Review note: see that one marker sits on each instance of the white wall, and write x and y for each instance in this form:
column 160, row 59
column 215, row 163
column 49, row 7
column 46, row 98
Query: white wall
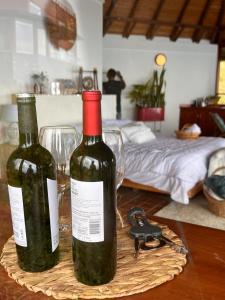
column 25, row 48
column 190, row 70
column 67, row 109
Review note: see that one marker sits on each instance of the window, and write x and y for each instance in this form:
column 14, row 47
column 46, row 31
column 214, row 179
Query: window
column 34, row 8
column 42, row 44
column 221, row 79
column 24, row 37
column 221, row 76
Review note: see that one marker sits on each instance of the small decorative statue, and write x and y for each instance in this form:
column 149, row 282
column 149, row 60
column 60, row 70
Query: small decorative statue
column 40, row 83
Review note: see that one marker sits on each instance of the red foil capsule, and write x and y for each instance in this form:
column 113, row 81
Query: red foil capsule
column 92, row 121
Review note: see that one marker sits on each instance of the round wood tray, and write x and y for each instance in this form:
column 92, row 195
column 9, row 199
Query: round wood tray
column 134, row 275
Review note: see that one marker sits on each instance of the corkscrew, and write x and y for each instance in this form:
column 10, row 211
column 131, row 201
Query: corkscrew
column 143, row 232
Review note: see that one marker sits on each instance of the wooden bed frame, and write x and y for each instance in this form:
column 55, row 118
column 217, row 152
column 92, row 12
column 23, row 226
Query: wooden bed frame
column 191, row 193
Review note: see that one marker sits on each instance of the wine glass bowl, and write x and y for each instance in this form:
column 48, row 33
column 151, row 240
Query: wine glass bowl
column 61, row 141
column 113, row 138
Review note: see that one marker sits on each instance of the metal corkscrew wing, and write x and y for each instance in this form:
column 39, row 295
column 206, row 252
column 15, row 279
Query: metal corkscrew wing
column 143, row 232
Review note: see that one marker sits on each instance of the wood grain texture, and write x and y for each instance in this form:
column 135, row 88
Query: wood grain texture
column 191, row 193
column 193, row 19
column 202, row 117
column 202, row 278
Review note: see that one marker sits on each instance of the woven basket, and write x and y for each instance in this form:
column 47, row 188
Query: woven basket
column 186, row 135
column 215, row 206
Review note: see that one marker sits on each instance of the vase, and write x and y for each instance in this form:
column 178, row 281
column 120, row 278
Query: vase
column 150, row 113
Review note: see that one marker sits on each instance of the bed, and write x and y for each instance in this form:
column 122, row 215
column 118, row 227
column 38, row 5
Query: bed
column 169, row 165
column 163, row 164
column 166, row 164
column 185, row 161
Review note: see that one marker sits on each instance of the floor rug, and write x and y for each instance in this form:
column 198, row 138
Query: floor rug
column 196, row 212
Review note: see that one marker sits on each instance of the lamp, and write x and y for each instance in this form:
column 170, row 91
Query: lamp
column 160, row 59
column 10, row 116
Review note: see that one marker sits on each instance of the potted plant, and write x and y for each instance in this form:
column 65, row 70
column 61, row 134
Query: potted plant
column 149, row 97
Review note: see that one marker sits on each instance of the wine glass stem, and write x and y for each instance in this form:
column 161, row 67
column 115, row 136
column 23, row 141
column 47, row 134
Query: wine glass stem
column 64, row 220
column 118, row 212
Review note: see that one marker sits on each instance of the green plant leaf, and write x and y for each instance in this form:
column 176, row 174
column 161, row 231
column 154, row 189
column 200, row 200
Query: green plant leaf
column 151, row 93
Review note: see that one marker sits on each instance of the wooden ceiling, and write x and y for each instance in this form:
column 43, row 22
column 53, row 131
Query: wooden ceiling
column 192, row 19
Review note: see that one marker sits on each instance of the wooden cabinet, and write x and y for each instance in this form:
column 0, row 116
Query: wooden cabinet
column 202, row 117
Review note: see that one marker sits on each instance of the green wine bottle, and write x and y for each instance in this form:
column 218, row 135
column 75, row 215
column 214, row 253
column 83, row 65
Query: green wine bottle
column 92, row 169
column 32, row 190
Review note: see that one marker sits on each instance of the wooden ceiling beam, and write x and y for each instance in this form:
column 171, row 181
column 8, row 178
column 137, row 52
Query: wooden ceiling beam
column 107, row 21
column 130, row 25
column 151, row 28
column 163, row 23
column 199, row 32
column 222, row 43
column 216, row 33
column 176, row 31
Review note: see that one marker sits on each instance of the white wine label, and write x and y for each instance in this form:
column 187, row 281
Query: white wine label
column 17, row 213
column 53, row 212
column 87, row 210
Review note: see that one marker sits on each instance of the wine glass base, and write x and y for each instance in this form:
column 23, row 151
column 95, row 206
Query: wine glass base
column 64, row 227
column 65, row 224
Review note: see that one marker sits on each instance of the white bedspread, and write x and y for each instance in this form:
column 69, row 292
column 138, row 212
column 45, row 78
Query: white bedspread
column 169, row 164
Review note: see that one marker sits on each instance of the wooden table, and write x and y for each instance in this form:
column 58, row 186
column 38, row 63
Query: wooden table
column 203, row 277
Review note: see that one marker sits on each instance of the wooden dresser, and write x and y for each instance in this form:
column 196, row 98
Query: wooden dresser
column 201, row 116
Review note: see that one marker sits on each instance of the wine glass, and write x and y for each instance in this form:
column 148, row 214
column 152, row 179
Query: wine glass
column 113, row 138
column 61, row 141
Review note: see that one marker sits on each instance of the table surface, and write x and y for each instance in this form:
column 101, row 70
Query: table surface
column 203, row 277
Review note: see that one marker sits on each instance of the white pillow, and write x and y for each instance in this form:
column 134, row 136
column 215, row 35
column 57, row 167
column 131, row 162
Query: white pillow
column 138, row 133
column 132, row 127
column 143, row 136
column 124, row 137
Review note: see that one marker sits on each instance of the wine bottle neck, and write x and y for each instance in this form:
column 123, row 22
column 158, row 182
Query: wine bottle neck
column 92, row 121
column 28, row 129
column 91, row 140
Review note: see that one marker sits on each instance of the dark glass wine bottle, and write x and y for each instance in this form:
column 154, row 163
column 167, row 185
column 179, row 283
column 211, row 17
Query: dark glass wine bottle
column 32, row 189
column 92, row 169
